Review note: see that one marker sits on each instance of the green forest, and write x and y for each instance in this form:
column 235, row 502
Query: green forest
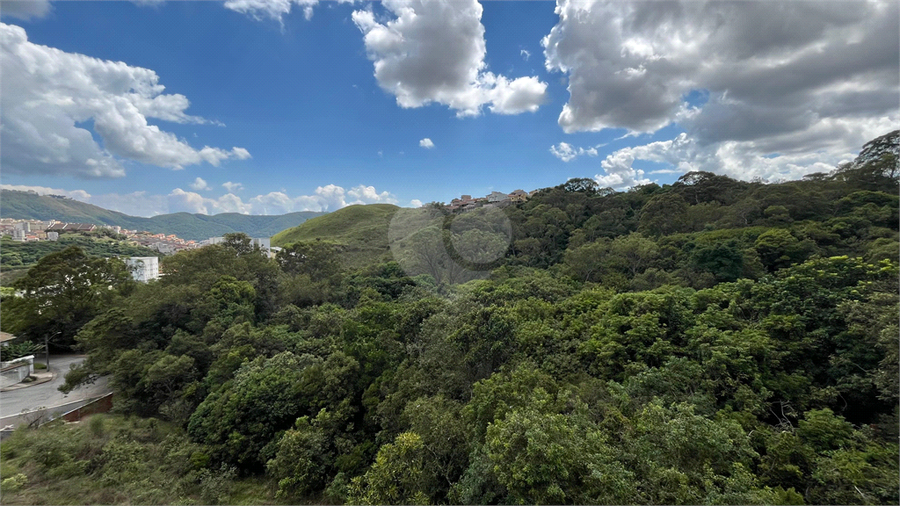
column 713, row 341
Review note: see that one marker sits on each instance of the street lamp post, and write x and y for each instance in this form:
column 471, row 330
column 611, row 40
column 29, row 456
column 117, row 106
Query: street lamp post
column 47, row 348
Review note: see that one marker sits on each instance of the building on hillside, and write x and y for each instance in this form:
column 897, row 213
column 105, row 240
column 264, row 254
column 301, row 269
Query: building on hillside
column 163, row 247
column 518, row 196
column 144, row 269
column 497, row 197
column 263, row 243
column 52, row 236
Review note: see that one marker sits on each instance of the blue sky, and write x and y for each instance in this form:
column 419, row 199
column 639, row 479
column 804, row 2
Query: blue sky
column 488, row 83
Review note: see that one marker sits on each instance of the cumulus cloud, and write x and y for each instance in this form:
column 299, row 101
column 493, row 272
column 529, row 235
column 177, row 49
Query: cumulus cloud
column 415, row 203
column 566, row 152
column 326, row 198
column 22, row 9
column 199, row 184
column 740, row 160
column 426, row 143
column 49, row 95
column 433, row 52
column 232, row 187
column 779, row 79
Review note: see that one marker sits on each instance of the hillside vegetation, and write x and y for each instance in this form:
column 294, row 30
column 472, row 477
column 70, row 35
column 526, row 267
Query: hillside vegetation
column 712, row 341
column 23, row 205
column 360, row 233
column 17, row 257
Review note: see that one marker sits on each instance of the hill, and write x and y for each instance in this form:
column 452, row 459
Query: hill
column 23, row 205
column 361, row 232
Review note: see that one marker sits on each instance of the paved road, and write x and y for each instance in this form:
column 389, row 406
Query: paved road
column 47, row 394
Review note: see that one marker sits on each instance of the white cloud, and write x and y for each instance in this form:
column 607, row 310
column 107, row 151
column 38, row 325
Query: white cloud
column 434, row 52
column 232, row 187
column 31, row 9
column 415, row 203
column 48, row 95
column 566, row 152
column 525, row 54
column 274, row 9
column 326, row 198
column 426, row 143
column 199, row 184
column 241, row 153
column 740, row 160
column 789, row 87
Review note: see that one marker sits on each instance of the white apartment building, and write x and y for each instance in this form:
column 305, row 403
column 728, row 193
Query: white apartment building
column 144, row 269
column 264, row 243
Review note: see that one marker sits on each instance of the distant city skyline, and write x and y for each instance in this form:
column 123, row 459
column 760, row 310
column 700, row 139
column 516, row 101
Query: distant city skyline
column 277, row 106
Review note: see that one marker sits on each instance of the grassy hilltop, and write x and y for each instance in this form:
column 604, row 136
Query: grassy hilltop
column 360, row 232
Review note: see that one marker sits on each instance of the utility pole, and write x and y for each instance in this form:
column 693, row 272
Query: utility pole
column 47, row 348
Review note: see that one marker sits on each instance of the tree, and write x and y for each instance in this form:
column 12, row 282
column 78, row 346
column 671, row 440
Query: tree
column 777, row 248
column 317, row 260
column 551, row 458
column 584, row 185
column 663, row 214
column 635, row 251
column 302, row 461
column 724, row 260
column 64, row 291
column 396, row 477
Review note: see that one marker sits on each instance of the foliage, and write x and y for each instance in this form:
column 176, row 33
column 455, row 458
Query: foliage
column 129, row 460
column 14, row 350
column 706, row 342
column 64, row 291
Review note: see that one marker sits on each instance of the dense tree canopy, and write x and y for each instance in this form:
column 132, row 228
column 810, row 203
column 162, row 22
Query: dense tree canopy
column 712, row 341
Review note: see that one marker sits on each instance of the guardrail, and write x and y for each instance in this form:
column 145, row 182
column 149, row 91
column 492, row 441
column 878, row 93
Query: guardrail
column 99, row 405
column 71, row 412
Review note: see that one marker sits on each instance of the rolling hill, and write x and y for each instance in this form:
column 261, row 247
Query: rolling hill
column 23, row 205
column 360, row 231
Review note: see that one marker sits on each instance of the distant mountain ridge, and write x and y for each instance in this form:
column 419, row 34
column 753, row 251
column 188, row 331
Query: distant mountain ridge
column 24, row 205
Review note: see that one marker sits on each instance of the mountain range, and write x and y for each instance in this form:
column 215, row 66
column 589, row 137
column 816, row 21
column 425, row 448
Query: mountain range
column 25, row 205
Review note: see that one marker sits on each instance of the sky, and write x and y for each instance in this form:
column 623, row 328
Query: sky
column 274, row 106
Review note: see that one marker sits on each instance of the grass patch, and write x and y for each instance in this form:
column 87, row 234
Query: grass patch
column 359, row 232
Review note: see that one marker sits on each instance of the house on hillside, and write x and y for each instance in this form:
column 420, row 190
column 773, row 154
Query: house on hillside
column 497, row 197
column 518, row 196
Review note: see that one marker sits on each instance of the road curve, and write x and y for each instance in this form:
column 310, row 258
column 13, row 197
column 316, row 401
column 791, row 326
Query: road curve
column 47, row 395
